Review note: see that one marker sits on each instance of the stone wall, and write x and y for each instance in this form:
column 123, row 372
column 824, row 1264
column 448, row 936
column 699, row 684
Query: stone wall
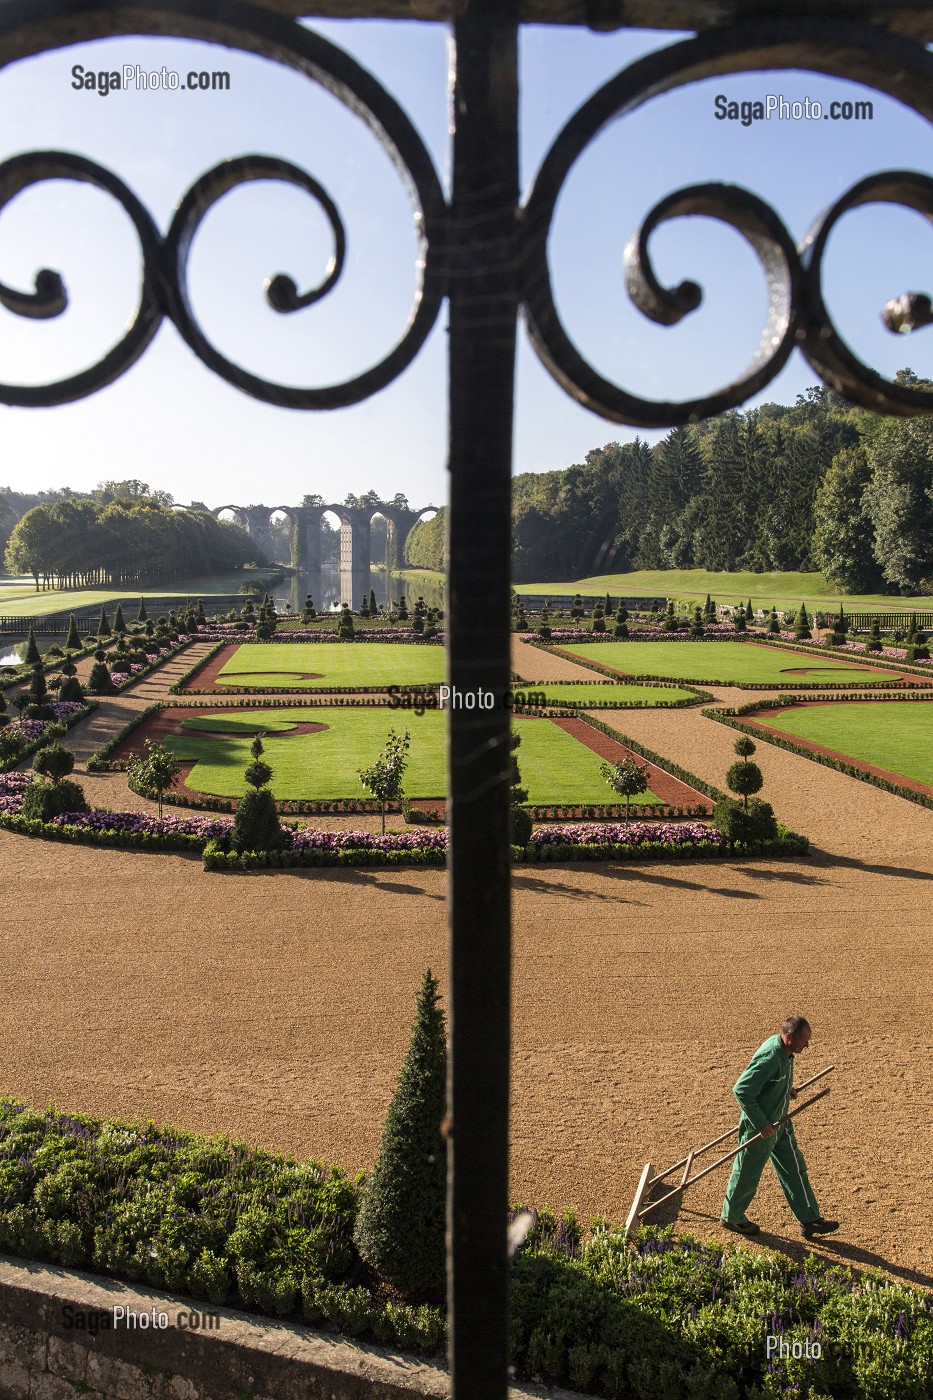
column 58, row 1341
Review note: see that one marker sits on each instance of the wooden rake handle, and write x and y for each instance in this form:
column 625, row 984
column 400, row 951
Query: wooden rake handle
column 735, row 1151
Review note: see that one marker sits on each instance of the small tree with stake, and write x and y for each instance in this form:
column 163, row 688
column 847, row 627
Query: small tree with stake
column 401, row 1223
column 384, row 778
column 627, row 778
column 155, row 773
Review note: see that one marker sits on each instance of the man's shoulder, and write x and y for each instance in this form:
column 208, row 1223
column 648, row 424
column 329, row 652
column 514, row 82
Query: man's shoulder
column 768, row 1049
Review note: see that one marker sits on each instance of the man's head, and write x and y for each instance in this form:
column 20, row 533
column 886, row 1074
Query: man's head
column 795, row 1034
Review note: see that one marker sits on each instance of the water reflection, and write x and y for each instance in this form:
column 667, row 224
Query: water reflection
column 331, row 588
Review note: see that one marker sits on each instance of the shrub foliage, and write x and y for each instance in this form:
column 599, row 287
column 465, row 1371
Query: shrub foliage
column 401, row 1224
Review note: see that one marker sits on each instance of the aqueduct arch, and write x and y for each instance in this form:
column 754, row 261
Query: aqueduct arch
column 355, row 531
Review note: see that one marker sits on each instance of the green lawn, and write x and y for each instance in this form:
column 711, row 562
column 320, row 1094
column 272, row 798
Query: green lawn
column 732, row 662
column 18, row 596
column 554, row 767
column 311, row 665
column 590, row 693
column 896, row 737
column 783, row 590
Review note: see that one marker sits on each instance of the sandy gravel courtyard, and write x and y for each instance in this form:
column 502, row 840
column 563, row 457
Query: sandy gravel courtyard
column 276, row 1007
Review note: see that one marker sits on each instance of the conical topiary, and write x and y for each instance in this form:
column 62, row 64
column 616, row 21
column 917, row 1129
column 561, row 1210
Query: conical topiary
column 73, row 640
column 400, row 1227
column 142, row 615
column 118, row 624
column 33, row 656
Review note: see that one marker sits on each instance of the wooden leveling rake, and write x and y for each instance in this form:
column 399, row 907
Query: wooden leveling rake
column 649, row 1179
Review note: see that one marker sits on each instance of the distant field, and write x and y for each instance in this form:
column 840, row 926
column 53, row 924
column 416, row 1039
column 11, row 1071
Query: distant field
column 898, row 738
column 555, row 768
column 782, row 590
column 722, row 661
column 311, row 665
column 586, row 693
column 18, row 597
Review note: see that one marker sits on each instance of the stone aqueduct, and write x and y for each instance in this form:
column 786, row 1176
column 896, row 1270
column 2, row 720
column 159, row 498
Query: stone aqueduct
column 355, row 531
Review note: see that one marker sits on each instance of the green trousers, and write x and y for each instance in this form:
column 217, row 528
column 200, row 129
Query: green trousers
column 787, row 1158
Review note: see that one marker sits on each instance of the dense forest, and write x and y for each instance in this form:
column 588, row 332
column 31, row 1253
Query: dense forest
column 111, row 538
column 817, row 485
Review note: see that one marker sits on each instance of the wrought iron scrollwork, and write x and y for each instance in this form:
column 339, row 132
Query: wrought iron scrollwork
column 50, row 297
column 797, row 313
column 164, row 290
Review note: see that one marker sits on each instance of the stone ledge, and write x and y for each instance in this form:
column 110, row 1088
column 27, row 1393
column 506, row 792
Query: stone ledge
column 244, row 1357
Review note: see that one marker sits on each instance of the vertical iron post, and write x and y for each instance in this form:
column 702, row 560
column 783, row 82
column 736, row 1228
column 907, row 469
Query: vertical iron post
column 483, row 309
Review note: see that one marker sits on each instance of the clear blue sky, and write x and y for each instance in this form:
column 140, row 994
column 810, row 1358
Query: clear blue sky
column 174, row 424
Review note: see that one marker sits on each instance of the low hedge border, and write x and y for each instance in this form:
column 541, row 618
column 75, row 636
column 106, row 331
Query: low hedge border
column 100, row 762
column 352, row 690
column 731, row 717
column 35, row 745
column 289, row 807
column 233, row 862
column 787, row 843
column 606, row 811
column 88, row 836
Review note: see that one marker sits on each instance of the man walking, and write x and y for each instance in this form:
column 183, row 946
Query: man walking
column 764, row 1093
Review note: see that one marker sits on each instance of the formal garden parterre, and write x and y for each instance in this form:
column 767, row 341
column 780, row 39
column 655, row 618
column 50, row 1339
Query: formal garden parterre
column 584, row 1302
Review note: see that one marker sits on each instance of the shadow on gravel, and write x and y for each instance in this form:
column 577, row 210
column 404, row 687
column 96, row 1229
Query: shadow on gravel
column 536, row 885
column 793, row 877
column 648, row 877
column 853, row 863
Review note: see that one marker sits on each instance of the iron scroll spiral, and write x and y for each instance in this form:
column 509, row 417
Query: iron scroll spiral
column 43, row 25
column 50, row 297
column 797, row 313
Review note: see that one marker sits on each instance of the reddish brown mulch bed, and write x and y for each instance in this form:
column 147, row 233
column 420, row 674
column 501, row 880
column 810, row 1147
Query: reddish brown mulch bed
column 923, row 788
column 207, row 676
column 665, row 787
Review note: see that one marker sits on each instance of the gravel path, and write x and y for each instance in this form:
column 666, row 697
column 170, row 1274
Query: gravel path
column 277, row 1006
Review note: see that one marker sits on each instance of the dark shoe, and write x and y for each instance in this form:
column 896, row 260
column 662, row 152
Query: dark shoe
column 809, row 1228
column 741, row 1227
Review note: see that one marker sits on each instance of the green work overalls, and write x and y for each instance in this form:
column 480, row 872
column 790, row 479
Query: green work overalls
column 763, row 1092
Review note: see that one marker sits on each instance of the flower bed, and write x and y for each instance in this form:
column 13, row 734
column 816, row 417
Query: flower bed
column 33, row 732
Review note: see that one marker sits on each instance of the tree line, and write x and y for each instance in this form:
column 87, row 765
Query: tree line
column 80, row 541
column 817, row 485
